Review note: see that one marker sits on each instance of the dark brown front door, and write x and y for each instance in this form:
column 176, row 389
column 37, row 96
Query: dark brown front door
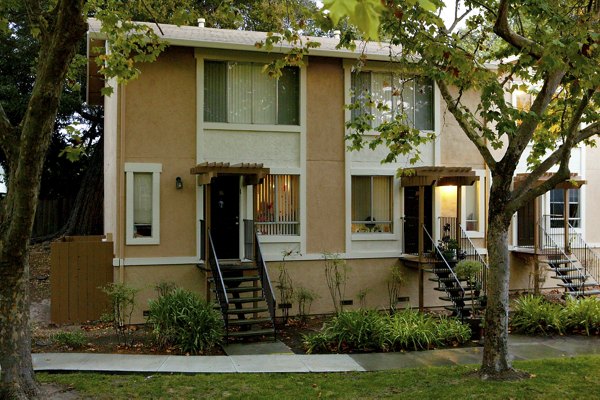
column 526, row 224
column 411, row 217
column 225, row 216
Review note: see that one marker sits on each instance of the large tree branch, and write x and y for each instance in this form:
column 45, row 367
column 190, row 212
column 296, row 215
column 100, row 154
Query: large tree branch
column 560, row 155
column 588, row 132
column 8, row 136
column 466, row 126
column 524, row 133
column 502, row 29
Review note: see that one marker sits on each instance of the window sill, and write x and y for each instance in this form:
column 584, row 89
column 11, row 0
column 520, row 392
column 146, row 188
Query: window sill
column 374, row 236
column 142, row 241
column 475, row 234
column 224, row 126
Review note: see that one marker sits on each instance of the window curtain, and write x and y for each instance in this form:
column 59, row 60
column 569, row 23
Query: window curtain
column 215, row 91
column 472, row 207
column 361, row 198
column 142, row 198
column 381, row 85
column 382, row 198
column 278, row 205
column 423, row 105
column 239, row 90
column 264, row 103
column 288, row 97
column 361, row 86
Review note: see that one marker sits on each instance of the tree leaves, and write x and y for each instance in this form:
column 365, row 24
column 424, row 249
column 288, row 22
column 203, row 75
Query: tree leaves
column 364, row 14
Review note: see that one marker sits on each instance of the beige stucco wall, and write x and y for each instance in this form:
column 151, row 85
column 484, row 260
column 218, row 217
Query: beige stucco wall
column 160, row 127
column 146, row 278
column 592, row 194
column 325, row 190
column 456, row 149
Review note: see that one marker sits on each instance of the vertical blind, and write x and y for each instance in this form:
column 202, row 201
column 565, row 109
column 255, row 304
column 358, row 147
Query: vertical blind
column 277, row 205
column 242, row 93
column 472, row 207
column 412, row 96
column 142, row 204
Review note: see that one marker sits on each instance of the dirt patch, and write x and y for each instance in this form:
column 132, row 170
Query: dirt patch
column 58, row 392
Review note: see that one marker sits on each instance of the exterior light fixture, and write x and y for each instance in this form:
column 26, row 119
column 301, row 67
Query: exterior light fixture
column 178, row 183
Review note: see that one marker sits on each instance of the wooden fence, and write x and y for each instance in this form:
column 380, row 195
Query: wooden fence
column 79, row 265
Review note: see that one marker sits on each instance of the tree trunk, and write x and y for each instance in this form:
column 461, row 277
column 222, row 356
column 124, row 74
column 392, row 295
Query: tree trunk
column 17, row 379
column 59, row 39
column 496, row 362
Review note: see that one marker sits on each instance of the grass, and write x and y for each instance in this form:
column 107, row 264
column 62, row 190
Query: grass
column 565, row 378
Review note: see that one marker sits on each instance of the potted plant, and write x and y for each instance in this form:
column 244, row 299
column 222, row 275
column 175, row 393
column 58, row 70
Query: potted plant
column 468, row 270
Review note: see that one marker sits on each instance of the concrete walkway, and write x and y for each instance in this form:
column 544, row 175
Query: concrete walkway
column 521, row 348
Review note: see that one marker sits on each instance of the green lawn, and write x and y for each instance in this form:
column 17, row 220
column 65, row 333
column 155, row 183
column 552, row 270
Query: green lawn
column 568, row 378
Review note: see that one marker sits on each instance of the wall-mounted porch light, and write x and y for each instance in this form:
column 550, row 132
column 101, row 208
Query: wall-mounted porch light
column 178, row 183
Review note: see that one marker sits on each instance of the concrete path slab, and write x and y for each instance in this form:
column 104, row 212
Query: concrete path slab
column 386, row 361
column 330, row 363
column 533, row 352
column 99, row 362
column 60, row 361
column 269, row 363
column 242, row 349
column 203, row 364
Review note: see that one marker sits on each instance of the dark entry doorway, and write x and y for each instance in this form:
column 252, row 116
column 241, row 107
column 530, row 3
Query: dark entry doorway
column 225, row 216
column 411, row 217
column 526, row 224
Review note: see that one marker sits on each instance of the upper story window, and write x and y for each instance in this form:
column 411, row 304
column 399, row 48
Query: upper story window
column 277, row 204
column 410, row 95
column 241, row 93
column 372, row 204
column 557, row 208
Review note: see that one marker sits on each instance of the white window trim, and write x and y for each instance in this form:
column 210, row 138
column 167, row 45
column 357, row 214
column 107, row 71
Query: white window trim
column 130, row 170
column 560, row 230
column 482, row 188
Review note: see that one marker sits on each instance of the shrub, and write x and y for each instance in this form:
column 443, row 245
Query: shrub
column 122, row 300
column 182, row 320
column 304, row 297
column 364, row 330
column 74, row 340
column 534, row 315
column 582, row 314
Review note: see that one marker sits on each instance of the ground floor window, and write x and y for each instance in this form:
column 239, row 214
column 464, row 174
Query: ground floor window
column 557, row 208
column 372, row 204
column 142, row 203
column 277, row 205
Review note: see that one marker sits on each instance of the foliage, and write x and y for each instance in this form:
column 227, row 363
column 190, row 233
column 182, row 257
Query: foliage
column 534, row 315
column 394, row 282
column 368, row 330
column 362, row 297
column 75, row 340
column 582, row 314
column 285, row 285
column 336, row 274
column 304, row 297
column 122, row 300
column 468, row 269
column 164, row 288
column 183, row 320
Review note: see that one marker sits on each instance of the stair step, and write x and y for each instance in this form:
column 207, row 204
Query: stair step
column 565, row 269
column 244, row 289
column 465, row 308
column 242, row 300
column 252, row 278
column 558, row 262
column 438, row 270
column 261, row 332
column 577, row 285
column 247, row 310
column 449, row 289
column 243, row 267
column 252, row 321
column 465, row 299
column 584, row 292
column 448, row 279
column 572, row 277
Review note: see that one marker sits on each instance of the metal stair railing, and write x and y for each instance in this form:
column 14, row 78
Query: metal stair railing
column 220, row 290
column 456, row 281
column 588, row 259
column 466, row 248
column 267, row 288
column 557, row 255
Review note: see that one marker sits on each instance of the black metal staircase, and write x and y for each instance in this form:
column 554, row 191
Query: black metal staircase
column 575, row 264
column 244, row 295
column 466, row 297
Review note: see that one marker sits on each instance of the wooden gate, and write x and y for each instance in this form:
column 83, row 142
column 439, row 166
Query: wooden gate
column 79, row 265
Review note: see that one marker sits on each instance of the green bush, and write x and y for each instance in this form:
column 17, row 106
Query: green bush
column 534, row 315
column 182, row 320
column 582, row 314
column 75, row 340
column 365, row 330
